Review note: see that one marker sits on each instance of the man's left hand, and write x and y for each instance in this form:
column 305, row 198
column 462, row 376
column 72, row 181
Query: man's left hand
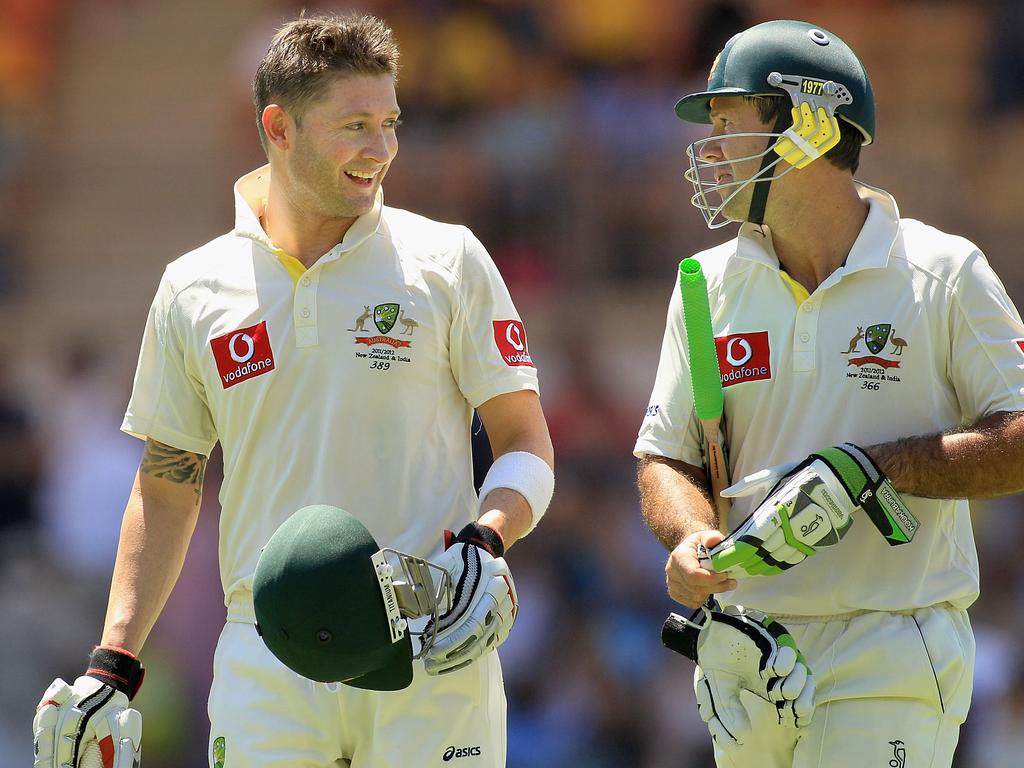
column 484, row 603
column 810, row 506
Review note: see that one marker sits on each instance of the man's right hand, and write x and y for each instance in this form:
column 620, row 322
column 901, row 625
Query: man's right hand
column 738, row 649
column 70, row 717
column 688, row 581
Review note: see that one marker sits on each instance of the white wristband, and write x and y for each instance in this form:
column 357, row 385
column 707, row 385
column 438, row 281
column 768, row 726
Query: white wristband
column 528, row 475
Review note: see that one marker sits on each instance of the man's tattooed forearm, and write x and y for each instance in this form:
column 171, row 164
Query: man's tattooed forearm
column 172, row 464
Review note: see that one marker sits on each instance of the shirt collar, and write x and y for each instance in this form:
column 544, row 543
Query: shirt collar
column 871, row 249
column 251, row 201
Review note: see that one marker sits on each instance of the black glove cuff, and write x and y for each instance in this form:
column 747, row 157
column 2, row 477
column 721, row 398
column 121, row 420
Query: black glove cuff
column 117, row 668
column 681, row 635
column 484, row 537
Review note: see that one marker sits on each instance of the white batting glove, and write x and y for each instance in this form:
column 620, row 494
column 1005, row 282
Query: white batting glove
column 810, row 506
column 484, row 602
column 742, row 649
column 71, row 717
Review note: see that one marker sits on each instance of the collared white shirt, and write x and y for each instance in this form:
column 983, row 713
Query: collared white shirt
column 351, row 383
column 913, row 335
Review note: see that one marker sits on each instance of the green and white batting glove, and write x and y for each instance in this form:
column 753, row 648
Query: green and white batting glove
column 737, row 649
column 484, row 602
column 93, row 715
column 810, row 506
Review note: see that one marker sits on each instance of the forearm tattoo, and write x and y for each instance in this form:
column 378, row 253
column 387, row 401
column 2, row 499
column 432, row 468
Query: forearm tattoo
column 178, row 466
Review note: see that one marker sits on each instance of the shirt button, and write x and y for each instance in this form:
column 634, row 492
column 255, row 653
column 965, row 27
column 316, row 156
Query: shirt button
column 305, row 281
column 305, row 313
column 808, row 307
column 805, row 337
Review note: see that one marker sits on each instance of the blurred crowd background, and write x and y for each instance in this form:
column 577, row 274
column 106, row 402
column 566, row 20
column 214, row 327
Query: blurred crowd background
column 547, row 127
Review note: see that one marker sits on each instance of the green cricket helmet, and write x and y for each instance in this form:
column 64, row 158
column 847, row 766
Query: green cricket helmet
column 815, row 70
column 333, row 606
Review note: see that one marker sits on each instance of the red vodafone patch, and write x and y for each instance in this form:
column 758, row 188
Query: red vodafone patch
column 243, row 354
column 510, row 336
column 743, row 357
column 1020, row 343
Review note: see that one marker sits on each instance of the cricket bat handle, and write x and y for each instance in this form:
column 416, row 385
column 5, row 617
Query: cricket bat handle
column 717, row 469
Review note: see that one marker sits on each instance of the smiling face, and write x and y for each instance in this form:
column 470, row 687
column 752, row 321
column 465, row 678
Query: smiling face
column 735, row 158
column 344, row 143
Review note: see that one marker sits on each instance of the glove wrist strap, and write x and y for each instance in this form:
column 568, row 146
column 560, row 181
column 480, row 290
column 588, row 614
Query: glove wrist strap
column 117, row 668
column 482, row 536
column 680, row 634
column 870, row 489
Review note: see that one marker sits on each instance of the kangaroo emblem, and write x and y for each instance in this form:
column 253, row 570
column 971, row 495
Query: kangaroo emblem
column 853, row 342
column 361, row 320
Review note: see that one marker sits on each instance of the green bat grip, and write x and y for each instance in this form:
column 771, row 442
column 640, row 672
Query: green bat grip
column 700, row 341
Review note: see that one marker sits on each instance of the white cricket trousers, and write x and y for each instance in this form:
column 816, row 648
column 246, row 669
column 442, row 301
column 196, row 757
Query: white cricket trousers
column 892, row 690
column 263, row 715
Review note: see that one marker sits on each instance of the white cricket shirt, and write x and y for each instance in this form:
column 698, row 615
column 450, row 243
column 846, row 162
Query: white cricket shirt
column 351, row 383
column 913, row 335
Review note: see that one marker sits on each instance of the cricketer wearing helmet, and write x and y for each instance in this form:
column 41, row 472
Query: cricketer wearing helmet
column 336, row 349
column 873, row 376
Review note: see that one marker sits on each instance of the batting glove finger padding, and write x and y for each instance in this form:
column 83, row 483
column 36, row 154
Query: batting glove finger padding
column 810, row 506
column 70, row 718
column 483, row 609
column 741, row 649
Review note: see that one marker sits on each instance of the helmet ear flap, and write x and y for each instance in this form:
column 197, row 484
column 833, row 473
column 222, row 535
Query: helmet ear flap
column 813, row 133
column 815, row 129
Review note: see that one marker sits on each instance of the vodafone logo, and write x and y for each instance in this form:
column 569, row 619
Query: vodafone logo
column 247, row 343
column 738, row 351
column 242, row 354
column 1020, row 343
column 510, row 338
column 514, row 335
column 744, row 357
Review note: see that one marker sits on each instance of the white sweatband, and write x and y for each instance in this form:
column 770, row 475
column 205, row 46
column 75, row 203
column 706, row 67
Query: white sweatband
column 526, row 474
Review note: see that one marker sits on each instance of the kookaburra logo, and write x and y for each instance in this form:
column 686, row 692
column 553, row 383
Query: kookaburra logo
column 899, row 754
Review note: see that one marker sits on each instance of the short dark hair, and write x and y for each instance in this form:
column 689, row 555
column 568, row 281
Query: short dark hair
column 844, row 155
column 307, row 52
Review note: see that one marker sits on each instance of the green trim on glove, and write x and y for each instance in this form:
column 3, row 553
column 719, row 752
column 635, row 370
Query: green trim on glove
column 848, row 469
column 872, row 492
column 787, row 533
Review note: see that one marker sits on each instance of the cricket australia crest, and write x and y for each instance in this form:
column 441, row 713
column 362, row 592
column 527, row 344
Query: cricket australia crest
column 876, row 337
column 384, row 316
column 381, row 347
column 874, row 369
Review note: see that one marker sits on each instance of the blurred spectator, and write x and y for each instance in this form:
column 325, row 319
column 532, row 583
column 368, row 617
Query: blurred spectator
column 19, row 458
column 89, row 464
column 999, row 741
column 1005, row 80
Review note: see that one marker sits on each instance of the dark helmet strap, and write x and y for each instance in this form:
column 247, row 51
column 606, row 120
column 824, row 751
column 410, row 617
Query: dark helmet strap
column 759, row 200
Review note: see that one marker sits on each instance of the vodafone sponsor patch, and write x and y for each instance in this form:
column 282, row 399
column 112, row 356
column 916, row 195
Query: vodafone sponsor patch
column 510, row 336
column 743, row 357
column 243, row 354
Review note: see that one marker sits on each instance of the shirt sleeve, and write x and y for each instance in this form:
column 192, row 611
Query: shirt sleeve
column 490, row 355
column 670, row 427
column 168, row 404
column 987, row 343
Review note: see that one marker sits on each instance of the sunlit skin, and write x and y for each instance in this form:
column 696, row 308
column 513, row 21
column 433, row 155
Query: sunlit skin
column 732, row 115
column 315, row 153
column 799, row 199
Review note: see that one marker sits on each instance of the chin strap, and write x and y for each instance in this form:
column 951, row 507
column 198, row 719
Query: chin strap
column 759, row 200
